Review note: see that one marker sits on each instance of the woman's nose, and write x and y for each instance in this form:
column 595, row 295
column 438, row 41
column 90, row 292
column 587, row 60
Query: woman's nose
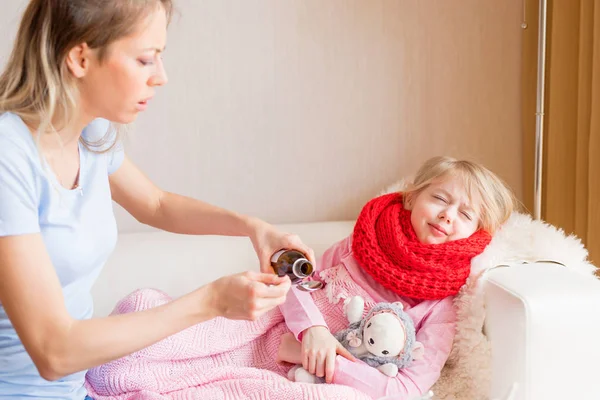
column 160, row 77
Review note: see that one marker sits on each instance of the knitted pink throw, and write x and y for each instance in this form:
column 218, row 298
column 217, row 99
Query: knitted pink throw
column 218, row 359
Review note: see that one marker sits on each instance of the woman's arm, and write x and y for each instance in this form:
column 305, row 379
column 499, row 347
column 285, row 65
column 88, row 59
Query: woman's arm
column 60, row 345
column 180, row 214
column 171, row 212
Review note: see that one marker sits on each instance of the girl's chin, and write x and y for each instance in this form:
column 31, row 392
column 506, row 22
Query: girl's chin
column 432, row 240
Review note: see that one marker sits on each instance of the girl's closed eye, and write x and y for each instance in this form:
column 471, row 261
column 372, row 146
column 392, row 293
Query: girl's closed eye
column 467, row 215
column 440, row 198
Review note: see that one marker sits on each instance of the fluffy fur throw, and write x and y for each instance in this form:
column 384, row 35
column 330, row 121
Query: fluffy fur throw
column 467, row 373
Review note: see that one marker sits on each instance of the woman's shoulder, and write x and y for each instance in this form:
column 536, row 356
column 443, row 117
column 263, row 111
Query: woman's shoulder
column 16, row 140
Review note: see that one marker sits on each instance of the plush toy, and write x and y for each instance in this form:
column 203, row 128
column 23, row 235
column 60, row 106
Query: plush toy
column 384, row 338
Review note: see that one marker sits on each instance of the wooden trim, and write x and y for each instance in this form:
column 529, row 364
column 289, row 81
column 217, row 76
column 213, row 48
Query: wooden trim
column 562, row 111
column 528, row 99
column 593, row 232
column 584, row 117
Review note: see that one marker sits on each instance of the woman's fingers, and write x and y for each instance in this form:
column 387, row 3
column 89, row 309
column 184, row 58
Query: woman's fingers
column 270, row 285
column 296, row 243
column 248, row 295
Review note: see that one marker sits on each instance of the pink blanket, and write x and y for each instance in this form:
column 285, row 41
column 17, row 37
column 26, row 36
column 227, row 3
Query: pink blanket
column 218, row 359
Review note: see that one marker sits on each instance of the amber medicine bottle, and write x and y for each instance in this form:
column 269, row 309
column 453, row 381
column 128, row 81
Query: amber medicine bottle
column 293, row 264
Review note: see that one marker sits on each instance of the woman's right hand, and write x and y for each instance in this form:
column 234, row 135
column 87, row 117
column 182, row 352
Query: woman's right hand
column 319, row 349
column 248, row 295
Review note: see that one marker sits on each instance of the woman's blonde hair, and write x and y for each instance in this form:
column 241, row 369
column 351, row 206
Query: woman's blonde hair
column 36, row 84
column 497, row 200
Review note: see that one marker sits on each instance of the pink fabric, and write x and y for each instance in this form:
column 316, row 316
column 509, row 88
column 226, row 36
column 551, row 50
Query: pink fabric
column 223, row 359
column 218, row 359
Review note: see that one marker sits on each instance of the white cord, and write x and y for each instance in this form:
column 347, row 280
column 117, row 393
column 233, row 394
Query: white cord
column 426, row 396
column 512, row 392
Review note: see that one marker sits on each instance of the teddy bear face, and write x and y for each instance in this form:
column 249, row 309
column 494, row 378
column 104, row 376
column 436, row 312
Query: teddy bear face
column 384, row 335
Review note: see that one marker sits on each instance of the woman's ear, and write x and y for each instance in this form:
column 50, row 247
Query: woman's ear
column 78, row 60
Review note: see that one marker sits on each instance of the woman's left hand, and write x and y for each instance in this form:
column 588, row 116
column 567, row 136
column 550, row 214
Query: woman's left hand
column 267, row 240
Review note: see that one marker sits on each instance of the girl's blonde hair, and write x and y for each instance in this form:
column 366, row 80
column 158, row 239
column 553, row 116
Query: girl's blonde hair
column 36, row 84
column 497, row 200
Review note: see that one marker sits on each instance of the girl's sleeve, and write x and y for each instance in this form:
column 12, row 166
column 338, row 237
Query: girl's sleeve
column 299, row 310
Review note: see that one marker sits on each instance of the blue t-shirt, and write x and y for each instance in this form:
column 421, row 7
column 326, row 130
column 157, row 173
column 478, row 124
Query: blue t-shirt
column 79, row 231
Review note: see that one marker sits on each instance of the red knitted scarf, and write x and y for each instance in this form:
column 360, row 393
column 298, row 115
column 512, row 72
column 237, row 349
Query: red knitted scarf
column 385, row 244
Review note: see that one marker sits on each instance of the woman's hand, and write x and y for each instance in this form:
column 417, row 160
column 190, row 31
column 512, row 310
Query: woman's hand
column 247, row 295
column 319, row 349
column 267, row 240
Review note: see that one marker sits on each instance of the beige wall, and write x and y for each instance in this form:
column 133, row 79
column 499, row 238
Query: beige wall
column 301, row 110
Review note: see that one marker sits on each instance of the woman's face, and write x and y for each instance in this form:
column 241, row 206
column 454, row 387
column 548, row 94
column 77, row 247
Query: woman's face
column 120, row 86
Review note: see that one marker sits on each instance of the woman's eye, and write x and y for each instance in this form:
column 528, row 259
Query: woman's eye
column 146, row 62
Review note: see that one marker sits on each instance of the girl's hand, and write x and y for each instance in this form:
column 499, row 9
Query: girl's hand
column 267, row 240
column 319, row 349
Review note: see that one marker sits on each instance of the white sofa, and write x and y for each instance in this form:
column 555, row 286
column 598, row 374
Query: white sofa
column 544, row 327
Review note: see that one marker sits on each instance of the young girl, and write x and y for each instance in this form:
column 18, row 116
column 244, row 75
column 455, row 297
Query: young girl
column 414, row 247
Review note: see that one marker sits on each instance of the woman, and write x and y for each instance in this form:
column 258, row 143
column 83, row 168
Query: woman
column 61, row 166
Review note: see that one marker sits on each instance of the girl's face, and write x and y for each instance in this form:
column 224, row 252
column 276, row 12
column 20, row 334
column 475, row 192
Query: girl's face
column 121, row 86
column 443, row 212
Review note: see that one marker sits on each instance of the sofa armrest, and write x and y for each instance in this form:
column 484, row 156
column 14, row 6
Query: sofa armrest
column 543, row 321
